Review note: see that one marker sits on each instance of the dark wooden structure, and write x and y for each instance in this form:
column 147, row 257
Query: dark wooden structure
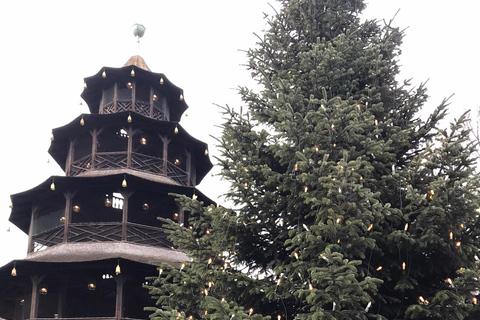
column 94, row 234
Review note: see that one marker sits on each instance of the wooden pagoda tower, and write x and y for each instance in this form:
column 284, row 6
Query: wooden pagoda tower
column 93, row 234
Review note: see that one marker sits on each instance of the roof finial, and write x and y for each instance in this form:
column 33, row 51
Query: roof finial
column 138, row 31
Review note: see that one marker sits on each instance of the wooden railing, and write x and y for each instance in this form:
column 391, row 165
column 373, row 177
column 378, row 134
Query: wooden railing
column 140, row 107
column 139, row 161
column 102, row 232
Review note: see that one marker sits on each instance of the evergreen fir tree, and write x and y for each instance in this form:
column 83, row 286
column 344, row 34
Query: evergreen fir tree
column 347, row 205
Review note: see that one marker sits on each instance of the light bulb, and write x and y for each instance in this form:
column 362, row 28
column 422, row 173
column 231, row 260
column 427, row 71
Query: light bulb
column 52, row 186
column 175, row 130
column 82, row 122
column 104, row 74
column 124, row 183
column 117, row 269
column 132, row 73
column 161, row 80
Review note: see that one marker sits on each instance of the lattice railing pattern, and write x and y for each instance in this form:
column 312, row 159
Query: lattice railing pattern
column 142, row 108
column 118, row 160
column 124, row 106
column 111, row 160
column 80, row 165
column 158, row 113
column 147, row 235
column 47, row 238
column 147, row 163
column 177, row 174
column 95, row 232
column 109, row 107
column 102, row 232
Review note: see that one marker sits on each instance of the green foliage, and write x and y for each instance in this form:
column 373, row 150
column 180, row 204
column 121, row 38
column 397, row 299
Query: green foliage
column 347, row 205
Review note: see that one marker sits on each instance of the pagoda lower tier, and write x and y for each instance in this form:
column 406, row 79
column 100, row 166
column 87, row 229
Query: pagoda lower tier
column 76, row 285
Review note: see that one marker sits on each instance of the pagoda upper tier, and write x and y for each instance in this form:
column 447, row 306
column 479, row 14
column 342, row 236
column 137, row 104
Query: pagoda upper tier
column 133, row 129
column 134, row 88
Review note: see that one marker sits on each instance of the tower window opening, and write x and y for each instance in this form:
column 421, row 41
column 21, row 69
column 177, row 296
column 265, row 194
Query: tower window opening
column 123, row 133
column 117, row 201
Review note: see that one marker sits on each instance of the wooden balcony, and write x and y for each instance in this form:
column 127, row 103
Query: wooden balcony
column 138, row 161
column 102, row 232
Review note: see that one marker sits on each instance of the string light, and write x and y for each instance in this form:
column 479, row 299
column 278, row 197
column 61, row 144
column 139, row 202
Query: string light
column 449, row 281
column 474, row 300
column 339, row 220
column 310, row 287
column 295, row 167
column 161, row 80
column 406, row 227
column 160, row 271
column 245, row 185
column 404, row 265
column 14, row 270
column 295, row 254
column 451, row 235
column 334, row 305
column 279, row 281
column 117, row 268
column 181, row 97
column 132, row 73
column 379, row 268
column 305, row 227
column 124, row 182
column 182, row 267
column 305, row 189
column 104, row 74
column 458, row 244
column 52, row 186
column 175, row 130
column 82, row 122
column 370, row 227
column 368, row 306
column 129, row 118
column 250, row 311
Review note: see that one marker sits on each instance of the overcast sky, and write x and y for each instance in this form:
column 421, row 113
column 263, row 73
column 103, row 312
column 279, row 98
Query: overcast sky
column 48, row 47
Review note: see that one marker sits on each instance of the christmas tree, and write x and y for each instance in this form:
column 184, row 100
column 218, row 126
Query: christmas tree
column 346, row 203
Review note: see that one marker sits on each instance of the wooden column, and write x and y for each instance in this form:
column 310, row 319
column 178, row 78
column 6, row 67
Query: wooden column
column 188, row 167
column 30, row 230
column 166, row 141
column 62, row 297
column 115, row 97
column 94, row 134
column 68, row 214
column 126, row 195
column 134, row 88
column 119, row 297
column 129, row 147
column 151, row 102
column 68, row 163
column 34, row 302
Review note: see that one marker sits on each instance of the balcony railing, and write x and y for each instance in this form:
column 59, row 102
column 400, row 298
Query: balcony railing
column 101, row 232
column 139, row 161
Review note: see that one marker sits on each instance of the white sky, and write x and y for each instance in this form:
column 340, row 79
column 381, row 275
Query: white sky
column 48, row 47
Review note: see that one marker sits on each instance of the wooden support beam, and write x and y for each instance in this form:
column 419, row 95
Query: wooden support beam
column 119, row 297
column 34, row 302
column 68, row 214
column 166, row 141
column 62, row 297
column 129, row 147
column 69, row 159
column 30, row 230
